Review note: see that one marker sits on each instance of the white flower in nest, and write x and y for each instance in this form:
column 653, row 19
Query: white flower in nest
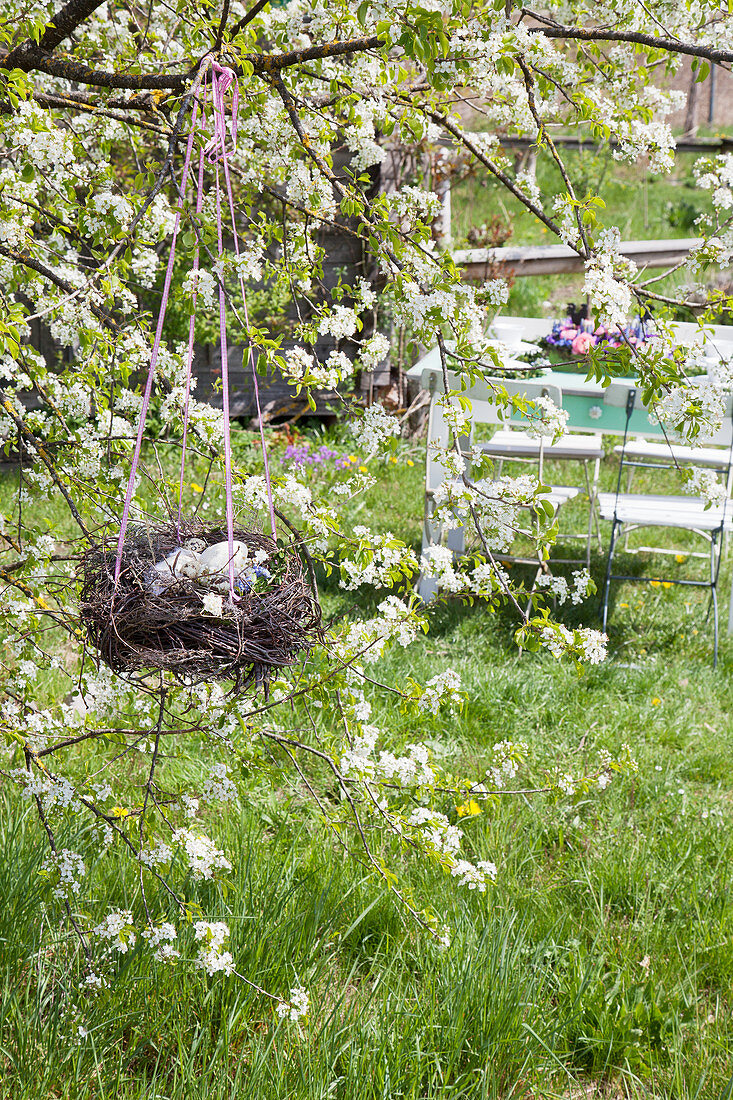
column 214, row 605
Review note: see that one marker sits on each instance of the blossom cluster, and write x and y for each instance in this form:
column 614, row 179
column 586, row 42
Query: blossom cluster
column 161, row 938
column 705, row 482
column 587, row 644
column 218, row 787
column 69, row 868
column 118, row 930
column 716, row 176
column 381, row 558
column 559, row 588
column 610, row 295
column 693, row 411
column 374, row 427
column 550, row 421
column 443, row 688
column 301, row 367
column 205, row 860
column 213, row 956
column 296, row 1007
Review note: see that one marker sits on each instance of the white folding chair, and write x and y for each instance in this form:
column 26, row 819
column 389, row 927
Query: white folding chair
column 586, row 449
column 628, row 512
column 484, row 412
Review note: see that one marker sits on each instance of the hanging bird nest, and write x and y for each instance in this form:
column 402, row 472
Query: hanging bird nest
column 171, row 608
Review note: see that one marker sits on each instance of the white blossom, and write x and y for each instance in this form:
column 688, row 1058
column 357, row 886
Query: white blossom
column 445, row 687
column 213, row 605
column 160, row 938
column 119, row 930
column 296, row 1007
column 70, row 868
column 213, row 938
column 374, row 427
column 204, row 858
column 218, row 787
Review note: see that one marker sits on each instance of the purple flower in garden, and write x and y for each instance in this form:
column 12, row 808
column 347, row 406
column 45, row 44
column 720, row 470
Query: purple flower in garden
column 300, row 454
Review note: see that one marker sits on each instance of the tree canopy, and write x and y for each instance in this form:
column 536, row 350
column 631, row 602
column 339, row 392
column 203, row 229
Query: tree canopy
column 97, row 108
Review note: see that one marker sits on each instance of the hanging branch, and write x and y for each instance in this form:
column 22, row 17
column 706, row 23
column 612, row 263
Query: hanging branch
column 60, row 26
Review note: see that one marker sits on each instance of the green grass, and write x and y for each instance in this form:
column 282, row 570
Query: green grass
column 643, row 205
column 603, row 956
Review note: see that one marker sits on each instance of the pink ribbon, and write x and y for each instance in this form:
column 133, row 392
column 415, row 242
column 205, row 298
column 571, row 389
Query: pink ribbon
column 222, row 79
column 156, row 348
column 191, row 325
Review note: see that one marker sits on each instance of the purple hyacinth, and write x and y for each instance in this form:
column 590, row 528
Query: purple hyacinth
column 300, row 454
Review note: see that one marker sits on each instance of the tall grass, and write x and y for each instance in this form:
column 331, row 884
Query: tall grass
column 602, row 958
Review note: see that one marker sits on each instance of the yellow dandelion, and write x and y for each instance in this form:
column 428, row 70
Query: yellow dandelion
column 655, row 584
column 410, row 462
column 468, row 809
column 680, row 558
column 666, row 584
column 656, row 701
column 196, row 487
column 624, row 605
column 120, row 811
column 363, row 470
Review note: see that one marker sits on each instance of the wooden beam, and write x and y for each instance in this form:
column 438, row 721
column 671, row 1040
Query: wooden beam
column 567, row 141
column 556, row 259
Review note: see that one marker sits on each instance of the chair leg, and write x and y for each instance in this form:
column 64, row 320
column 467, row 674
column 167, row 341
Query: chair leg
column 589, row 534
column 629, row 480
column 714, row 596
column 607, row 581
column 427, row 588
column 455, row 540
column 592, row 490
column 596, row 475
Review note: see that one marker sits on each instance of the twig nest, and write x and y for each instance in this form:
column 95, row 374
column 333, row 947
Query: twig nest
column 172, row 607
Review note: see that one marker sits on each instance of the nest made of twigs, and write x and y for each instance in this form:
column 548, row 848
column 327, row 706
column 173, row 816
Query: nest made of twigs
column 136, row 627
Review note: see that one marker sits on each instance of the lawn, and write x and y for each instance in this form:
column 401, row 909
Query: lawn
column 601, row 959
column 643, row 205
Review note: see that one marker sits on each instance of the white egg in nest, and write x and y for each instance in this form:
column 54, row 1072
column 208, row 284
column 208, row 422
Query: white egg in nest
column 213, row 562
column 181, row 563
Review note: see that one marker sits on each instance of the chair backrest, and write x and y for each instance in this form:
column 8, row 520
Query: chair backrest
column 531, row 389
column 485, row 411
column 630, row 395
column 718, row 339
column 639, row 422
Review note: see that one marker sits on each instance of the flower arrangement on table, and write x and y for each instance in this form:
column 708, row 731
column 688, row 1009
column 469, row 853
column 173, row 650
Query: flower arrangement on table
column 578, row 337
